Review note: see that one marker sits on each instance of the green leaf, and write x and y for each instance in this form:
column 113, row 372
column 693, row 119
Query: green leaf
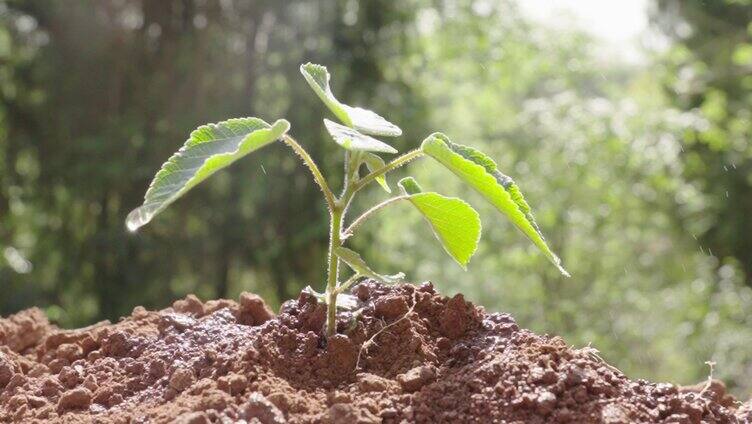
column 454, row 223
column 354, row 261
column 409, row 186
column 344, row 301
column 210, row 148
column 481, row 173
column 363, row 120
column 351, row 139
column 374, row 162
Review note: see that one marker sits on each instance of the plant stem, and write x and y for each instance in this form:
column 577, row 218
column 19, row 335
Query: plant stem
column 337, row 210
column 317, row 175
column 394, row 164
column 367, row 214
column 333, row 271
column 346, row 285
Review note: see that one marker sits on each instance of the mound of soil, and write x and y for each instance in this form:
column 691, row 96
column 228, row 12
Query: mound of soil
column 409, row 355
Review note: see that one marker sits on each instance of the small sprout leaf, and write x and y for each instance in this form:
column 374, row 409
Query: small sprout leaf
column 356, row 262
column 409, row 186
column 363, row 120
column 374, row 162
column 353, row 140
column 347, row 302
column 454, row 223
column 208, row 149
column 481, row 173
column 369, row 122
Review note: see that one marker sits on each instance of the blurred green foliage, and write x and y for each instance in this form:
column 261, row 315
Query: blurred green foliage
column 600, row 154
column 98, row 94
column 709, row 70
column 640, row 175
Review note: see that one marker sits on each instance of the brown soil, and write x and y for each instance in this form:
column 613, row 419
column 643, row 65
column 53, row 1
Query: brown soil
column 410, row 356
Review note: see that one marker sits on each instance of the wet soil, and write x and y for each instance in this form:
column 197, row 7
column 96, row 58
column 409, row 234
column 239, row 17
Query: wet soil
column 409, row 355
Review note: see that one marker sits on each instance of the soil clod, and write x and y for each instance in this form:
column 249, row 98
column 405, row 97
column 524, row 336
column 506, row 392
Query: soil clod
column 416, row 378
column 390, row 307
column 259, row 408
column 79, row 398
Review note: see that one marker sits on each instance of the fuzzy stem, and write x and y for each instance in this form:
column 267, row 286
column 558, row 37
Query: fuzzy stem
column 367, row 214
column 391, row 166
column 338, row 209
column 333, row 271
column 317, row 175
column 346, row 285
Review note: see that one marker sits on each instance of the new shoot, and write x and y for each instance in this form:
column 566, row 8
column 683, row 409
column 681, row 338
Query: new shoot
column 453, row 221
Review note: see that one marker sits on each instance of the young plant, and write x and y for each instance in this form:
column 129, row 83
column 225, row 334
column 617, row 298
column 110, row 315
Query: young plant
column 455, row 223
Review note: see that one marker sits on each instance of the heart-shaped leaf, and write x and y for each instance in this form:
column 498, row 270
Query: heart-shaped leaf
column 210, row 148
column 353, row 140
column 454, row 223
column 363, row 120
column 356, row 262
column 481, row 173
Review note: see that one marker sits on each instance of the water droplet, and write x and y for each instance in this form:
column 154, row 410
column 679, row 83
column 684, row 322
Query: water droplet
column 138, row 218
column 17, row 261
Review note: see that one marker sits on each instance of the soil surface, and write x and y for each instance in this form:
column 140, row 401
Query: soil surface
column 410, row 355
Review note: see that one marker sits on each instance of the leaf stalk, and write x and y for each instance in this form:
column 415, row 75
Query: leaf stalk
column 317, row 175
column 391, row 166
column 367, row 214
column 350, row 281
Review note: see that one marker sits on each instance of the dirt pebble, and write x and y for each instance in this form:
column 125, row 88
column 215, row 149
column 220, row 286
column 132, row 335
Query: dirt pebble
column 253, row 309
column 79, row 398
column 390, row 307
column 259, row 408
column 24, row 329
column 416, row 378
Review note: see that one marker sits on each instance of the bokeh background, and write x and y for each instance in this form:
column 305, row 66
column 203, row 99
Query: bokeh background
column 626, row 124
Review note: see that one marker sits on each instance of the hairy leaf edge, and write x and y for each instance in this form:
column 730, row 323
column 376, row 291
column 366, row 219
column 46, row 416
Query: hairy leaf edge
column 478, row 160
column 141, row 216
column 318, row 78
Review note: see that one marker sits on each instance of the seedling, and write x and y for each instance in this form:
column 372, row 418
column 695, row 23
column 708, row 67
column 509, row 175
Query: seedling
column 455, row 223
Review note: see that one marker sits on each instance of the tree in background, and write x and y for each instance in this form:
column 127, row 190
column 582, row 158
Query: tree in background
column 97, row 94
column 599, row 154
column 709, row 69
